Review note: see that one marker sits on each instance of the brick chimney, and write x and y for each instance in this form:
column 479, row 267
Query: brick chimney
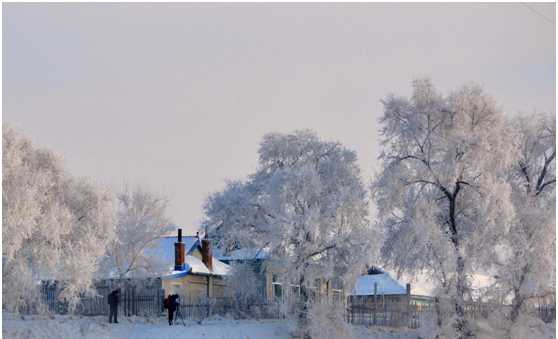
column 207, row 256
column 179, row 253
column 408, row 289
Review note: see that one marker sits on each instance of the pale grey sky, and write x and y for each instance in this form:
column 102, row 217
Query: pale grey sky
column 177, row 96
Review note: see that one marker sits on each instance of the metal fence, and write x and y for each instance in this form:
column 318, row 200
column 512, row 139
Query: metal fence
column 398, row 313
column 389, row 313
column 230, row 308
column 150, row 304
column 393, row 312
column 132, row 302
column 546, row 312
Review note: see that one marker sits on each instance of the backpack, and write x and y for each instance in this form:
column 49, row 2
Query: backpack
column 166, row 303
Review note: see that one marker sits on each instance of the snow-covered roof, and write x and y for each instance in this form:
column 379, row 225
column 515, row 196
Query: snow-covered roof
column 246, row 254
column 177, row 274
column 163, row 251
column 194, row 265
column 197, row 266
column 386, row 285
column 163, row 248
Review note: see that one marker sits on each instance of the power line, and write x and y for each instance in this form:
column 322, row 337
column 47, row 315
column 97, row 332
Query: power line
column 538, row 13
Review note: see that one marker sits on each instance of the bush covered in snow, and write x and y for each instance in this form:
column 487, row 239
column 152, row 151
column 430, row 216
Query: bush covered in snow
column 327, row 321
column 245, row 289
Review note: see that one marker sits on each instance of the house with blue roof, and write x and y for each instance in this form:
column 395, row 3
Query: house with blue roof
column 193, row 272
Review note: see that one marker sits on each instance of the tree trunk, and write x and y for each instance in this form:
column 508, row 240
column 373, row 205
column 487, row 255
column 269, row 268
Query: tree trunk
column 517, row 303
column 438, row 309
column 518, row 298
column 303, row 310
column 461, row 322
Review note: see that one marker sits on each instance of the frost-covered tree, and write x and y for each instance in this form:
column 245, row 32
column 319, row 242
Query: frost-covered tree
column 54, row 226
column 526, row 266
column 307, row 203
column 231, row 210
column 141, row 220
column 442, row 194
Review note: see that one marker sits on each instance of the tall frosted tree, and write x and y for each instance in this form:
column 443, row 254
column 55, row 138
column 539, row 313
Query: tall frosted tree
column 54, row 226
column 233, row 217
column 141, row 221
column 527, row 268
column 442, row 194
column 306, row 203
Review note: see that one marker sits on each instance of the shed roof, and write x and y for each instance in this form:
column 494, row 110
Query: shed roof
column 386, row 285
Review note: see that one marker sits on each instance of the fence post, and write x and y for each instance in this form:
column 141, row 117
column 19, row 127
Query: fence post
column 127, row 301
column 351, row 310
column 375, row 301
column 407, row 305
column 157, row 301
column 134, row 302
column 385, row 308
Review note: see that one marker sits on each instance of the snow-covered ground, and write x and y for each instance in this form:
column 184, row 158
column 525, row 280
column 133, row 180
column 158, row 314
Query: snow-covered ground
column 65, row 327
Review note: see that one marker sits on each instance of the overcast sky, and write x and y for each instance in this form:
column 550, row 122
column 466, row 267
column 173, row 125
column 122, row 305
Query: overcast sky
column 176, row 97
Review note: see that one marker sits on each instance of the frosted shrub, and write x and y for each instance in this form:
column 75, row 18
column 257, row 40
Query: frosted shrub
column 528, row 326
column 327, row 321
column 243, row 287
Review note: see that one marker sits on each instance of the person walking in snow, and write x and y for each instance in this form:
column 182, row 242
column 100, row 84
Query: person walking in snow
column 171, row 304
column 113, row 300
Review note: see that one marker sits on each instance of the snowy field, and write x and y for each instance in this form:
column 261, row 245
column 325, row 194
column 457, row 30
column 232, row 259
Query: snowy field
column 64, row 327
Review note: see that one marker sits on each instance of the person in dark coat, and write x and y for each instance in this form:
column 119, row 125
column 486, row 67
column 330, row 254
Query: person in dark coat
column 171, row 303
column 113, row 300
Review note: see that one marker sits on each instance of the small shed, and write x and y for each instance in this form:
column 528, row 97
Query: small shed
column 378, row 282
column 377, row 286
